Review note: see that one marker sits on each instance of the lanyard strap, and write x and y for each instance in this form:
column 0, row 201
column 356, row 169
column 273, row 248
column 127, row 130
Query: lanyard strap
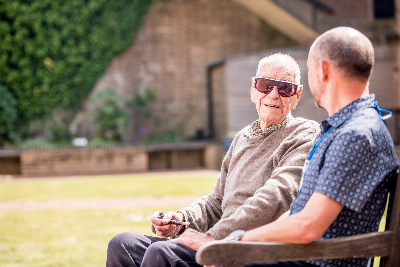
column 379, row 110
column 317, row 144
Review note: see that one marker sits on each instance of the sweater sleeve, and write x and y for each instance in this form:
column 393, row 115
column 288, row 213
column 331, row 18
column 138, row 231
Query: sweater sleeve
column 207, row 211
column 274, row 197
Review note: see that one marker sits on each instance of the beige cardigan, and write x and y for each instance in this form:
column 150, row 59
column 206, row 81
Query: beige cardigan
column 259, row 179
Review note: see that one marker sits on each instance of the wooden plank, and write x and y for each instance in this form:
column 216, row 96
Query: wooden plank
column 394, row 226
column 385, row 244
column 231, row 253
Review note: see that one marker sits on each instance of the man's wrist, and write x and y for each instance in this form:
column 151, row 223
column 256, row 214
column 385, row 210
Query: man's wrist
column 183, row 227
column 236, row 235
column 183, row 216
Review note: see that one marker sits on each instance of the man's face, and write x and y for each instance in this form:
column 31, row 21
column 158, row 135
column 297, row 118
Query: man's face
column 314, row 80
column 273, row 108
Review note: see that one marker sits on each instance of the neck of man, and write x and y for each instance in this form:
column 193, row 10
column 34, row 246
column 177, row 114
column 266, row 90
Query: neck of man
column 341, row 92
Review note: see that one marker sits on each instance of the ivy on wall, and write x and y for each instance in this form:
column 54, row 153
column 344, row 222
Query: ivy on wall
column 52, row 52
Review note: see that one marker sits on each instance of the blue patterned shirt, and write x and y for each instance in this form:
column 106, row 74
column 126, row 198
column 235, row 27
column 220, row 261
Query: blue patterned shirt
column 350, row 165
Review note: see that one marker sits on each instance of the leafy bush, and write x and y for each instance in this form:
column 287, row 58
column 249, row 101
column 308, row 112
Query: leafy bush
column 36, row 143
column 8, row 115
column 99, row 142
column 59, row 133
column 171, row 135
column 52, row 52
column 140, row 102
column 161, row 131
column 110, row 116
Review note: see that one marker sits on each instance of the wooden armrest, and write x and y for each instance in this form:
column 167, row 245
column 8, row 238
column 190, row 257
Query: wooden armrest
column 238, row 253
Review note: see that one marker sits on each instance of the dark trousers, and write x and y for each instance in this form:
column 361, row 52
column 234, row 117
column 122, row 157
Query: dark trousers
column 281, row 264
column 130, row 249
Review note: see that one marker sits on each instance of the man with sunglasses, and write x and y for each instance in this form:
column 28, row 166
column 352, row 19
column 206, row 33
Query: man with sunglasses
column 345, row 177
column 258, row 180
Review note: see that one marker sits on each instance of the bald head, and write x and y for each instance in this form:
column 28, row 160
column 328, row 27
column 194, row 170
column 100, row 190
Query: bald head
column 347, row 49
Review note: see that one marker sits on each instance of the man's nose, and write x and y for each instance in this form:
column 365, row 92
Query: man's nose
column 274, row 93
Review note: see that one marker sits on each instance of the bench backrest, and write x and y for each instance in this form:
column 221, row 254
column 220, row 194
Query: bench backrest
column 393, row 220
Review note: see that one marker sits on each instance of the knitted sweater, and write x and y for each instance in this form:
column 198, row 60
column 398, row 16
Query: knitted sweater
column 259, row 179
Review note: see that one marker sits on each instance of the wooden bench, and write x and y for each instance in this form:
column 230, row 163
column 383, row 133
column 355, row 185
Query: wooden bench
column 385, row 244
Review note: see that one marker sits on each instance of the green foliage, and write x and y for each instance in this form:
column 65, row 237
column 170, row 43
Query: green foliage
column 171, row 135
column 100, row 142
column 36, row 143
column 110, row 117
column 59, row 133
column 8, row 114
column 140, row 103
column 52, row 52
column 161, row 131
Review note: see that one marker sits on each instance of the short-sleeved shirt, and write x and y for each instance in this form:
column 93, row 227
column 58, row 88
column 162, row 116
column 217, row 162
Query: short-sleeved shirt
column 350, row 166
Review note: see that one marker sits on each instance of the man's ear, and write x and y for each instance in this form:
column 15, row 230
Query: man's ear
column 298, row 94
column 324, row 70
column 299, row 91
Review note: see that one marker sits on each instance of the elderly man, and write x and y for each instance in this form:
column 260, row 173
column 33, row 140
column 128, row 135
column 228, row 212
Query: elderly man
column 258, row 180
column 344, row 180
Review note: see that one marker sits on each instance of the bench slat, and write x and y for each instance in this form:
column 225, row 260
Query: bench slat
column 231, row 253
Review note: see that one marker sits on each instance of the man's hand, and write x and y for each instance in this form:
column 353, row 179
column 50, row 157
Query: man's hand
column 162, row 226
column 193, row 239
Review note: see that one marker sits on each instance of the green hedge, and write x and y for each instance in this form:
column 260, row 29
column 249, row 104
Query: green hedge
column 52, row 52
column 8, row 115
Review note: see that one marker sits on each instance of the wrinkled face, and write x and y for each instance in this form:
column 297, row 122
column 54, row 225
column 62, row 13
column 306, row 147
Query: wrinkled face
column 273, row 108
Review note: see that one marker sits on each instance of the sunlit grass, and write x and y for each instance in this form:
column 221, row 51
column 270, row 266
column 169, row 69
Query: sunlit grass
column 110, row 186
column 65, row 237
column 79, row 237
column 72, row 237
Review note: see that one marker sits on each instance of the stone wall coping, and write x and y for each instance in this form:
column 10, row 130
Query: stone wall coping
column 150, row 148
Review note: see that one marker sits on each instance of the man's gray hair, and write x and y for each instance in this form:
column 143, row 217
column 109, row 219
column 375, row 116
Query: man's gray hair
column 284, row 60
column 348, row 50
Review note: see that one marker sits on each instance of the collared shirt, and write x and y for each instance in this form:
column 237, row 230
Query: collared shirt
column 350, row 165
column 255, row 130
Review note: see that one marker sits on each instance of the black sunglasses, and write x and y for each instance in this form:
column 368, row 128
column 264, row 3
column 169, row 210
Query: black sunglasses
column 266, row 85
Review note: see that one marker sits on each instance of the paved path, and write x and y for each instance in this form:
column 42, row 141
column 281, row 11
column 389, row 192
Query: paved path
column 108, row 203
column 98, row 203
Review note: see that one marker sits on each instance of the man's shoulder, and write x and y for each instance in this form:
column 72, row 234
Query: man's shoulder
column 299, row 123
column 365, row 121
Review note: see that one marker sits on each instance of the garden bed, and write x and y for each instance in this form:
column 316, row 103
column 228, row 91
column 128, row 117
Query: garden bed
column 78, row 161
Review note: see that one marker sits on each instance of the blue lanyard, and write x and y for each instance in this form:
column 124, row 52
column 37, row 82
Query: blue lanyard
column 303, row 173
column 317, row 144
column 310, row 155
column 379, row 110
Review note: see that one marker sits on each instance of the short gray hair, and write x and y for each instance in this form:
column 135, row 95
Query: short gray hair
column 280, row 59
column 348, row 50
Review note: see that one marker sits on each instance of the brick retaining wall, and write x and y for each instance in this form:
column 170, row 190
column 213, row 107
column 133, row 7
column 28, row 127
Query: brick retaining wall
column 86, row 161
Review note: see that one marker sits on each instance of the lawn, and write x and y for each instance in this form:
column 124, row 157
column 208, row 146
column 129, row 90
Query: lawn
column 79, row 237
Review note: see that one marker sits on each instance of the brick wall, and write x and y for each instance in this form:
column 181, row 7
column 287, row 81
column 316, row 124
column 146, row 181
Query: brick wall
column 358, row 14
column 87, row 161
column 82, row 161
column 241, row 111
column 170, row 55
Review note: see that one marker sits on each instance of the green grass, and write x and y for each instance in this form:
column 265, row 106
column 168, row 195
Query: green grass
column 110, row 186
column 65, row 237
column 76, row 237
